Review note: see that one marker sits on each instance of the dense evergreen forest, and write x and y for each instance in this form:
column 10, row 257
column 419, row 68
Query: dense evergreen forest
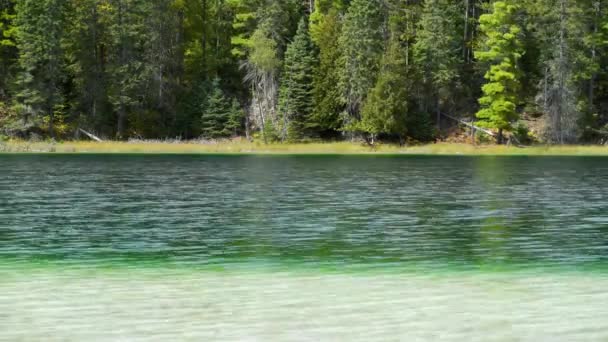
column 293, row 70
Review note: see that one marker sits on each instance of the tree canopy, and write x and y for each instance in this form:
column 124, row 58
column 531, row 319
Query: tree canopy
column 297, row 70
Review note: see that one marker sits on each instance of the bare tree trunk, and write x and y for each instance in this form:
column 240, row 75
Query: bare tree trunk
column 51, row 121
column 438, row 117
column 466, row 31
column 160, row 85
column 204, row 33
column 122, row 118
column 561, row 63
column 122, row 115
column 597, row 8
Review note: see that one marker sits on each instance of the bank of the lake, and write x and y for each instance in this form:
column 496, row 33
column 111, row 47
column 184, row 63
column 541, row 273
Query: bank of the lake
column 245, row 147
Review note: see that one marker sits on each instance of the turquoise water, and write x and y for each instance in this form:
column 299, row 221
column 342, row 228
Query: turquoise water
column 367, row 248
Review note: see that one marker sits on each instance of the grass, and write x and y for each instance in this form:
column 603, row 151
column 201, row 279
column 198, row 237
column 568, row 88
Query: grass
column 245, row 147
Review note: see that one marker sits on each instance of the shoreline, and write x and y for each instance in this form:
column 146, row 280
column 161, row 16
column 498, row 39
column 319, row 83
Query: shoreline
column 256, row 148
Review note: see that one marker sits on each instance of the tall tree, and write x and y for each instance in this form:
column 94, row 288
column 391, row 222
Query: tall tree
column 362, row 44
column 569, row 62
column 221, row 116
column 386, row 107
column 266, row 48
column 295, row 93
column 438, row 54
column 8, row 51
column 502, row 51
column 263, row 65
column 127, row 71
column 86, row 58
column 327, row 99
column 39, row 40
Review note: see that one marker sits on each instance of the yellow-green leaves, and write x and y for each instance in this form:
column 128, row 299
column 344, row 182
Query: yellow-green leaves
column 501, row 52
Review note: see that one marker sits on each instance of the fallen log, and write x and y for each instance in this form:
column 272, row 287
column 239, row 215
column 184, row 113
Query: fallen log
column 470, row 125
column 90, row 135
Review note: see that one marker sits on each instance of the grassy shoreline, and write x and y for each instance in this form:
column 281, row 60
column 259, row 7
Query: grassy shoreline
column 336, row 148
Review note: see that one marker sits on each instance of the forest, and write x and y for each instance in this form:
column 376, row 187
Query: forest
column 294, row 70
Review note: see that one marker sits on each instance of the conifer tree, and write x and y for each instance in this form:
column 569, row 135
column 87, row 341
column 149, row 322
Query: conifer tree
column 362, row 44
column 84, row 44
column 234, row 124
column 39, row 41
column 502, row 51
column 327, row 99
column 8, row 51
column 126, row 69
column 438, row 53
column 295, row 93
column 385, row 110
column 221, row 116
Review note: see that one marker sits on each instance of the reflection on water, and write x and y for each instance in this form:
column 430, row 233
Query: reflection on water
column 301, row 248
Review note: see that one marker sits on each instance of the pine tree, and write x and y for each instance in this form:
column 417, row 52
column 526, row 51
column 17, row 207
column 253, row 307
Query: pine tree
column 386, row 107
column 235, row 119
column 502, row 52
column 221, row 116
column 362, row 43
column 8, row 51
column 164, row 55
column 243, row 26
column 295, row 93
column 85, row 41
column 438, row 53
column 126, row 70
column 39, row 41
column 327, row 99
column 571, row 43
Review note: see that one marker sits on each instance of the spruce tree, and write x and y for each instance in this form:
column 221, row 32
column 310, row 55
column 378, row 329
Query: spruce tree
column 8, row 51
column 438, row 53
column 220, row 115
column 295, row 92
column 362, row 44
column 235, row 119
column 570, row 36
column 502, row 51
column 327, row 97
column 85, row 42
column 127, row 68
column 385, row 110
column 41, row 60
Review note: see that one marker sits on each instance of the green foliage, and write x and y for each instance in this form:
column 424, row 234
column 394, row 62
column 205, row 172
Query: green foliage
column 146, row 68
column 39, row 41
column 502, row 51
column 221, row 116
column 8, row 31
column 145, row 124
column 420, row 126
column 263, row 52
column 327, row 99
column 244, row 23
column 522, row 133
column 8, row 51
column 362, row 44
column 236, row 116
column 438, row 51
column 385, row 110
column 295, row 93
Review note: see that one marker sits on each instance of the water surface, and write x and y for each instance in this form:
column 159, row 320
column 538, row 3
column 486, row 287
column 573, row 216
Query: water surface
column 303, row 248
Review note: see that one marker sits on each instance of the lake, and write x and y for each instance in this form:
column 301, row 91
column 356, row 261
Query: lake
column 300, row 248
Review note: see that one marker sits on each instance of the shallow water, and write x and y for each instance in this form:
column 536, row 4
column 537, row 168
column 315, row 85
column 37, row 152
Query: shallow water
column 303, row 248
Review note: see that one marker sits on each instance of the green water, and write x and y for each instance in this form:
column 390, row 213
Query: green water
column 303, row 248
